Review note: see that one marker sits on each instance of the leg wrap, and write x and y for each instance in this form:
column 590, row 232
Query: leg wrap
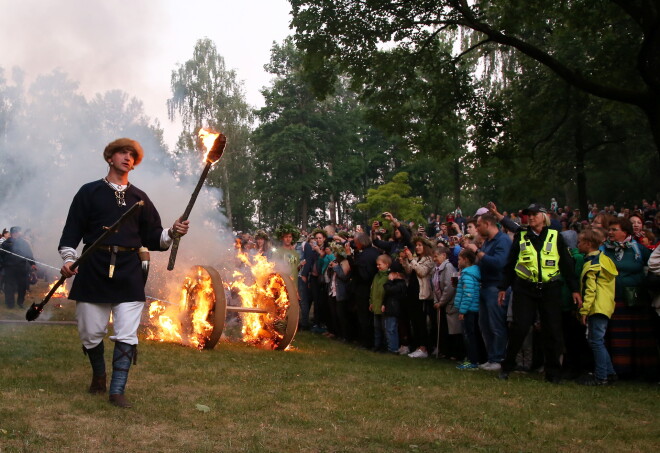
column 96, row 359
column 124, row 354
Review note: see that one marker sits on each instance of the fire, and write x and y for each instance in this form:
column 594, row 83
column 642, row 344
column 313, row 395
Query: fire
column 262, row 313
column 188, row 323
column 268, row 292
column 207, row 137
column 60, row 293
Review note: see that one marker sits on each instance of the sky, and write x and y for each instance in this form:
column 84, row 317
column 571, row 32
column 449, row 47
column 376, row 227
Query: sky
column 135, row 45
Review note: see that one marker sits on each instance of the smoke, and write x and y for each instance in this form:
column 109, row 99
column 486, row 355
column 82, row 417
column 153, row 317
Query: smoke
column 53, row 143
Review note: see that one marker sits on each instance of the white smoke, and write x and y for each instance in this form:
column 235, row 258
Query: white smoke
column 53, row 144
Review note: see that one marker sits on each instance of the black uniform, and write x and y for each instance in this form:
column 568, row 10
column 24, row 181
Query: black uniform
column 95, row 207
column 16, row 270
column 530, row 298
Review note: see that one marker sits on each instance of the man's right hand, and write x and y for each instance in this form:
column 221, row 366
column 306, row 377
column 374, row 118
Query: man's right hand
column 66, row 270
column 500, row 298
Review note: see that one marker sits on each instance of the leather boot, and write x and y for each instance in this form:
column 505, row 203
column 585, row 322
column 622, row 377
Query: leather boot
column 98, row 385
column 124, row 355
column 119, row 401
column 97, row 360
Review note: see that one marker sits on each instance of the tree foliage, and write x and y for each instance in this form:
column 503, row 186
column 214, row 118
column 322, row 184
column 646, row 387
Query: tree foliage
column 206, row 93
column 511, row 101
column 395, row 197
column 610, row 49
column 315, row 157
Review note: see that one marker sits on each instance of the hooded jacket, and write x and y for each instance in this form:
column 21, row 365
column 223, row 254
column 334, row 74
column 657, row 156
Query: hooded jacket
column 597, row 283
column 467, row 292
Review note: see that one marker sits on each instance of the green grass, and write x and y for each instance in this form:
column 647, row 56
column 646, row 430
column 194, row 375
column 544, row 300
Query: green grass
column 322, row 396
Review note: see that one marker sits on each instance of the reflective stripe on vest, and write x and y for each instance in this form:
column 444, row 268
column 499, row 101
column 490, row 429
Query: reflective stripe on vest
column 527, row 266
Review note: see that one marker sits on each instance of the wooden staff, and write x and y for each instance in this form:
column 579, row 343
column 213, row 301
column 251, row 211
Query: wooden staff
column 35, row 309
column 213, row 156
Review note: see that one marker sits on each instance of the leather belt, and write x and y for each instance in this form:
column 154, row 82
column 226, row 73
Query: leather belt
column 116, row 248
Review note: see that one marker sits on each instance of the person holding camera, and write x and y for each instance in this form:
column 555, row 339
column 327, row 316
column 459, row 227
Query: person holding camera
column 401, row 236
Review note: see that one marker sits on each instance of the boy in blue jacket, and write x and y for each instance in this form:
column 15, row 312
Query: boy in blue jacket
column 467, row 303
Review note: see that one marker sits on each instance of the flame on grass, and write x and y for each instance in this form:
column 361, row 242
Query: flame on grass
column 60, row 293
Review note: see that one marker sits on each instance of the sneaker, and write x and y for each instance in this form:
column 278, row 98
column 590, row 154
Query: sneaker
column 482, row 365
column 467, row 366
column 491, row 366
column 612, row 378
column 403, row 350
column 418, row 354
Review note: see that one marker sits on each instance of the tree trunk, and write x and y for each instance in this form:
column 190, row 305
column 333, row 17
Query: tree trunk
column 225, row 177
column 654, row 124
column 580, row 174
column 456, row 173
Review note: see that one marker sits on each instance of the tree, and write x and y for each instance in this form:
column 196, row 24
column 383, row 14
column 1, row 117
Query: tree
column 314, row 156
column 394, row 197
column 609, row 49
column 205, row 92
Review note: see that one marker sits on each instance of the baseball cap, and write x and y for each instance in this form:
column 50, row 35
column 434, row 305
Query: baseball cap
column 534, row 208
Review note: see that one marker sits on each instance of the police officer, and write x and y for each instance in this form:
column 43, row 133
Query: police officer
column 537, row 263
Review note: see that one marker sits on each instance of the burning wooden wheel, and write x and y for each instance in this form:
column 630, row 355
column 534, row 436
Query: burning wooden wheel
column 269, row 311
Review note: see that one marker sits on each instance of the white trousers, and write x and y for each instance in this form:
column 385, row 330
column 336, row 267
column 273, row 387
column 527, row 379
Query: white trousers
column 93, row 322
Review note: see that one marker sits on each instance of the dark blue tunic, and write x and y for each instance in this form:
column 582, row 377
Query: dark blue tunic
column 95, row 207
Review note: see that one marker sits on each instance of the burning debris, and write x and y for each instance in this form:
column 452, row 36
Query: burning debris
column 266, row 315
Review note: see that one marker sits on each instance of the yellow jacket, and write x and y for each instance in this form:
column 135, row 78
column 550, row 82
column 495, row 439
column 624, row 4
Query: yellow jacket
column 597, row 285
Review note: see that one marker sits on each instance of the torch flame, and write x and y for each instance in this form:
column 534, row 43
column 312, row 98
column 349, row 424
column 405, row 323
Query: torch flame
column 207, row 136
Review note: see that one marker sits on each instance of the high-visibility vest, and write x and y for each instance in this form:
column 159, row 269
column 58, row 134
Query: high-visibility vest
column 527, row 266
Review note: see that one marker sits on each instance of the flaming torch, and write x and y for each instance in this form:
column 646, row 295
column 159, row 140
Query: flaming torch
column 215, row 146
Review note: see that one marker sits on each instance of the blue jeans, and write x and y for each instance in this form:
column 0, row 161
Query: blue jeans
column 470, row 329
column 492, row 322
column 392, row 333
column 597, row 325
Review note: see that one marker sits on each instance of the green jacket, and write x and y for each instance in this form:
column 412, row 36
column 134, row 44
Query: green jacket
column 378, row 292
column 597, row 283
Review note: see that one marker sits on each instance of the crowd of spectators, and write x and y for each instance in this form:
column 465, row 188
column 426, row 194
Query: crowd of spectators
column 497, row 291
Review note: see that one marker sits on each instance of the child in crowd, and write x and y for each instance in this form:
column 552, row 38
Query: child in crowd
column 449, row 326
column 376, row 299
column 467, row 303
column 395, row 295
column 597, row 287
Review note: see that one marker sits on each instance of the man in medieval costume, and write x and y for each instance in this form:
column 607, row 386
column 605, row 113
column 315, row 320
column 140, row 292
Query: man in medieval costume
column 111, row 279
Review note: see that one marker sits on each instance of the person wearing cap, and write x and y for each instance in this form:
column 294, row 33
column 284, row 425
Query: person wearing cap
column 17, row 262
column 110, row 280
column 537, row 263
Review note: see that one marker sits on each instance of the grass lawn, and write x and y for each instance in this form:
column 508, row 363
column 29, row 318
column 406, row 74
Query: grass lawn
column 322, row 396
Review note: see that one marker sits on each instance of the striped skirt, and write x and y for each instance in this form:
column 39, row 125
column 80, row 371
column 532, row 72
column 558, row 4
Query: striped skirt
column 632, row 345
